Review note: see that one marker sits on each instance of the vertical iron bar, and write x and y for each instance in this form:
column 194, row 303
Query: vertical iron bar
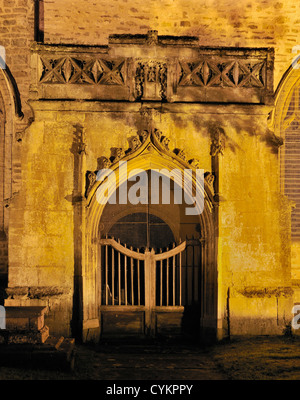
column 113, row 275
column 161, row 280
column 180, row 282
column 106, row 274
column 193, row 274
column 131, row 267
column 174, row 279
column 167, row 278
column 100, row 275
column 125, row 268
column 119, row 275
column 139, row 282
column 186, row 276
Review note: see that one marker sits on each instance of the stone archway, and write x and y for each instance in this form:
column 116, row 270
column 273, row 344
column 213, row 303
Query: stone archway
column 285, row 122
column 150, row 153
column 10, row 109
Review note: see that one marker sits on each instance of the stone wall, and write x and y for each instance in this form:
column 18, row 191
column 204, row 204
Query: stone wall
column 251, row 262
column 267, row 23
column 16, row 35
column 46, row 235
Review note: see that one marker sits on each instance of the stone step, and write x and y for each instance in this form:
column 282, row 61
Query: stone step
column 30, row 336
column 54, row 353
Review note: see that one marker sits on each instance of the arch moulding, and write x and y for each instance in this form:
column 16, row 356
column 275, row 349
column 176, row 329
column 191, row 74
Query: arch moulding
column 149, row 150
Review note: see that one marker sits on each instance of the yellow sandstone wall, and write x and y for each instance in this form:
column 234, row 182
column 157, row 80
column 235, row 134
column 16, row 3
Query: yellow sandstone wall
column 254, row 247
column 254, row 242
column 246, row 23
column 253, row 260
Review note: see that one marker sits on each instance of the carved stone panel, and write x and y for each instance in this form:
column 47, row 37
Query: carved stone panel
column 151, row 80
column 221, row 73
column 80, row 70
column 154, row 68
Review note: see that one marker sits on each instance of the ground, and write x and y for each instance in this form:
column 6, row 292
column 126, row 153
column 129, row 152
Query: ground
column 263, row 358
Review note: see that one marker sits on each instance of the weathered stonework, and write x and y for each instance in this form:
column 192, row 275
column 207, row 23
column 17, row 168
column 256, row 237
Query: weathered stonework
column 95, row 99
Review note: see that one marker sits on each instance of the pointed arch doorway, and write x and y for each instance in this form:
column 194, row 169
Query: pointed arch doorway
column 149, row 277
column 162, row 282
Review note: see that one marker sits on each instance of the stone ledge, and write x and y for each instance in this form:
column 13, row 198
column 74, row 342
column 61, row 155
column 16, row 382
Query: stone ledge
column 25, row 318
column 24, row 336
column 266, row 292
column 36, row 292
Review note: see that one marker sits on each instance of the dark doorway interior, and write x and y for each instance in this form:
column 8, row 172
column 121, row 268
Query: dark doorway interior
column 142, row 230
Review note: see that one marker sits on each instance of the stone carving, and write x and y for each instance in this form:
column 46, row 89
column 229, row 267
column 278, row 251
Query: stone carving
column 165, row 142
column 145, row 140
column 79, row 145
column 158, row 134
column 217, row 143
column 119, row 154
column 144, row 135
column 103, row 163
column 135, row 144
column 73, row 70
column 194, row 163
column 209, row 178
column 209, row 72
column 139, row 81
column 277, row 140
column 181, row 154
column 92, row 177
column 152, row 37
column 179, row 71
column 19, row 136
column 151, row 80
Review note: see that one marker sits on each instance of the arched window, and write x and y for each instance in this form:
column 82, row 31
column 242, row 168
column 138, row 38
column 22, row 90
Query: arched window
column 287, row 126
column 290, row 172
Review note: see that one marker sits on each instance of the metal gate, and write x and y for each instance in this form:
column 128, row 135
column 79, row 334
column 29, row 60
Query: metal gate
column 143, row 292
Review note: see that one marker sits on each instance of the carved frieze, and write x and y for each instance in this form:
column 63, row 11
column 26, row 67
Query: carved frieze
column 154, row 68
column 211, row 72
column 80, row 70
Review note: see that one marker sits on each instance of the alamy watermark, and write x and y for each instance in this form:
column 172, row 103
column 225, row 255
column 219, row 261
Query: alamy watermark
column 295, row 311
column 2, row 57
column 189, row 187
column 295, row 63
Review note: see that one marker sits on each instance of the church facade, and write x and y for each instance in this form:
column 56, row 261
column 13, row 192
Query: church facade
column 201, row 86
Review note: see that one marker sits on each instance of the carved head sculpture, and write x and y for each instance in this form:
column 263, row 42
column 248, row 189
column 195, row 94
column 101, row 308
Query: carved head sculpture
column 103, row 163
column 181, row 154
column 158, row 134
column 144, row 135
column 91, row 181
column 152, row 37
column 119, row 153
column 135, row 143
column 165, row 142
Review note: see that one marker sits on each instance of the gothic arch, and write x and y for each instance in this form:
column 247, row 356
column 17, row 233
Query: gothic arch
column 286, row 124
column 9, row 109
column 283, row 94
column 151, row 152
